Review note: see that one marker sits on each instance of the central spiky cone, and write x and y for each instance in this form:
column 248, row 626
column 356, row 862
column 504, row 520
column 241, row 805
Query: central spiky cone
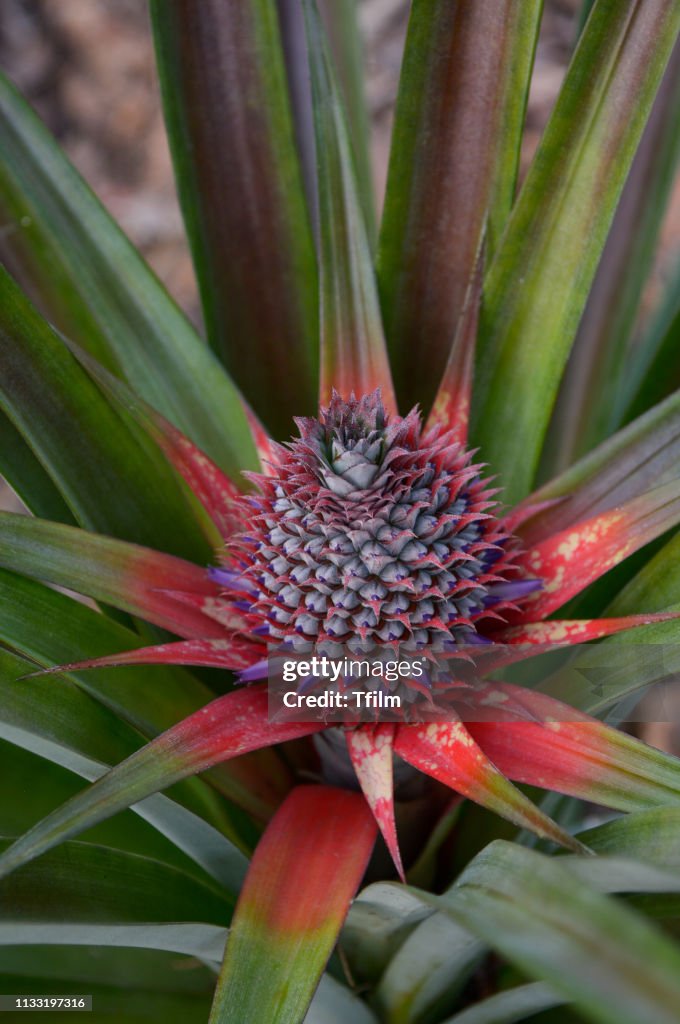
column 368, row 527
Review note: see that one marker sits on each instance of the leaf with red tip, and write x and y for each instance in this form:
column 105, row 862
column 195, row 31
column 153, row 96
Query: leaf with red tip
column 571, row 753
column 370, row 748
column 448, row 752
column 641, row 456
column 213, row 488
column 228, row 653
column 126, row 576
column 303, row 875
column 227, row 727
column 518, row 643
column 576, row 631
column 572, row 559
column 451, row 409
column 353, row 352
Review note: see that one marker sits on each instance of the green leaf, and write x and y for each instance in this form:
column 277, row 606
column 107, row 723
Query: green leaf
column 87, row 279
column 27, row 478
column 204, row 941
column 302, row 878
column 516, row 1004
column 379, row 920
column 652, row 837
column 38, row 785
column 655, row 367
column 83, row 883
column 152, row 971
column 453, row 168
column 333, row 1003
column 655, row 588
column 425, row 978
column 113, row 478
column 353, row 353
column 598, row 953
column 231, row 135
column 233, row 724
column 150, row 700
column 341, row 18
column 592, row 395
column 64, row 725
column 539, row 281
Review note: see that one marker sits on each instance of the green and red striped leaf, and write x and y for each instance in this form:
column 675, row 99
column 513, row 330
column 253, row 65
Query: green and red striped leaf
column 150, row 702
column 451, row 407
column 574, row 631
column 64, row 726
column 353, row 352
column 607, row 359
column 453, row 167
column 204, row 478
column 303, row 875
column 227, row 111
column 230, row 653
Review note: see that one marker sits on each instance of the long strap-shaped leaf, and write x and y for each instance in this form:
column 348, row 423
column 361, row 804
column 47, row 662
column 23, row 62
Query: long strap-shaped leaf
column 641, row 456
column 654, row 372
column 205, row 479
column 455, row 150
column 231, row 135
column 305, row 871
column 344, row 36
column 90, row 281
column 28, row 478
column 64, row 726
column 448, row 752
column 353, row 353
column 451, row 408
column 539, row 281
column 135, row 579
column 510, row 1005
column 569, row 752
column 149, row 704
column 570, row 560
column 597, row 378
column 231, row 725
column 525, row 905
column 113, row 478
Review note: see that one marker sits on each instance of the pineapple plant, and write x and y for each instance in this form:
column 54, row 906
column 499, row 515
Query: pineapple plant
column 319, row 469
